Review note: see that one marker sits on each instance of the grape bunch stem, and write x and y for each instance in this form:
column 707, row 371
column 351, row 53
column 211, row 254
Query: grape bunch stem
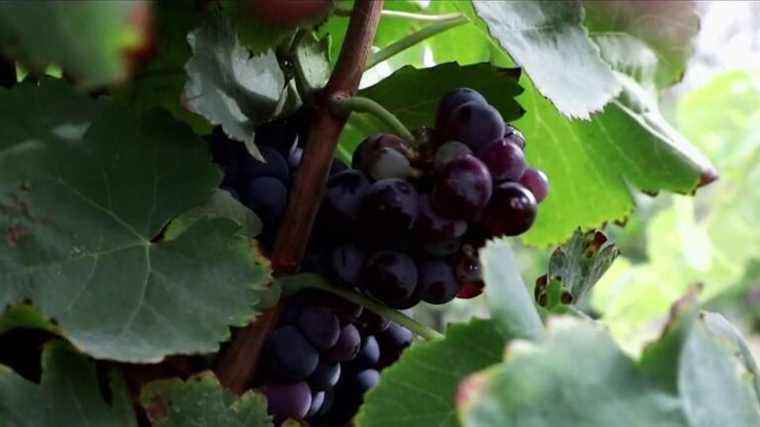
column 237, row 364
column 359, row 104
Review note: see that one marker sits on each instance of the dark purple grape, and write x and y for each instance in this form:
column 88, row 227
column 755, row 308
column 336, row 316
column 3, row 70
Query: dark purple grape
column 514, row 136
column 291, row 355
column 431, row 227
column 388, row 210
column 393, row 341
column 462, row 189
column 475, row 124
column 536, row 182
column 505, row 160
column 295, row 156
column 382, row 156
column 448, row 152
column 368, row 355
column 317, row 400
column 288, row 400
column 268, row 197
column 346, row 311
column 325, row 376
column 326, row 405
column 346, row 263
column 511, row 211
column 454, row 99
column 347, row 346
column 389, row 276
column 340, row 206
column 371, row 323
column 438, row 283
column 364, row 381
column 337, row 167
column 274, row 166
column 320, row 326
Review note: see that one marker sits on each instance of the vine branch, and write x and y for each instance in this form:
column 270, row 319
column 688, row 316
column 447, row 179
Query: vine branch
column 237, row 365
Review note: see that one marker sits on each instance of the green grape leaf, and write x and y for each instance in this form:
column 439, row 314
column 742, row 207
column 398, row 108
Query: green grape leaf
column 68, row 395
column 91, row 41
column 577, row 376
column 667, row 28
column 53, row 111
column 591, row 164
column 508, row 297
column 428, row 85
column 581, row 262
column 161, row 81
column 548, row 39
column 689, row 359
column 221, row 204
column 420, row 389
column 80, row 221
column 230, row 86
column 201, row 400
column 312, row 63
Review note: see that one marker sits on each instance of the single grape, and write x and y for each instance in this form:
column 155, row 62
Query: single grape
column 474, row 124
column 454, row 99
column 274, row 166
column 320, row 326
column 347, row 346
column 470, row 290
column 462, row 189
column 505, row 160
column 317, row 400
column 346, row 263
column 438, row 283
column 327, row 405
column 325, row 376
column 337, row 167
column 370, row 323
column 536, row 182
column 340, row 206
column 288, row 400
column 393, row 341
column 368, row 355
column 388, row 211
column 513, row 135
column 448, row 152
column 295, row 156
column 431, row 227
column 383, row 156
column 268, row 197
column 346, row 311
column 288, row 13
column 511, row 211
column 291, row 356
column 389, row 276
column 364, row 381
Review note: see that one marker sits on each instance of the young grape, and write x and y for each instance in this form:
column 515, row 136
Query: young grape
column 340, row 206
column 536, row 182
column 371, row 323
column 505, row 160
column 368, row 355
column 511, row 211
column 462, row 189
column 474, row 124
column 317, row 400
column 347, row 346
column 383, row 156
column 448, row 152
column 288, row 400
column 320, row 326
column 268, row 197
column 325, row 376
column 390, row 277
column 438, row 283
column 454, row 99
column 291, row 355
column 388, row 211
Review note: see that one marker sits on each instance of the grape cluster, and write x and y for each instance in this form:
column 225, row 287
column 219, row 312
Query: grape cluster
column 324, row 355
column 402, row 225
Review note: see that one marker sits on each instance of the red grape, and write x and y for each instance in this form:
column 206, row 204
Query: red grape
column 390, row 277
column 474, row 124
column 505, row 160
column 511, row 211
column 536, row 182
column 463, row 188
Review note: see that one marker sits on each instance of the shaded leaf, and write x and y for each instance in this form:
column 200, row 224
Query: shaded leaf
column 201, row 400
column 312, row 63
column 576, row 377
column 79, row 220
column 230, row 86
column 69, row 394
column 508, row 297
column 90, row 40
column 668, row 29
column 548, row 39
column 420, row 389
column 221, row 204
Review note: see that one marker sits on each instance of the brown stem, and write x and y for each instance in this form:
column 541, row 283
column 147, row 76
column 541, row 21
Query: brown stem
column 237, row 364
